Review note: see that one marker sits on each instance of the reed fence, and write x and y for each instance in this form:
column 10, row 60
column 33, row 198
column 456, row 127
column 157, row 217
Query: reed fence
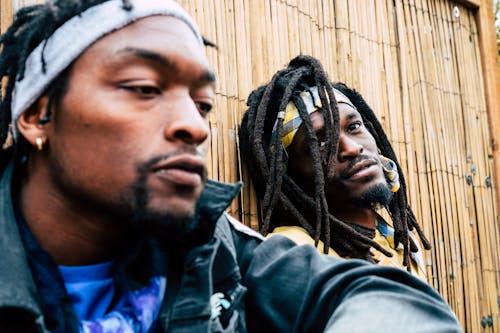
column 418, row 65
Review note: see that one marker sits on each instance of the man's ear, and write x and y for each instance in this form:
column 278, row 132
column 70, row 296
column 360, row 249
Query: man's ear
column 29, row 124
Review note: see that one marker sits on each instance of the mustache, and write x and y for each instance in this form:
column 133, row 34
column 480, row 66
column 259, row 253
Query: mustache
column 143, row 168
column 362, row 157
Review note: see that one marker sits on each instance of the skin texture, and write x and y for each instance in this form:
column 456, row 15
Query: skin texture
column 128, row 138
column 358, row 171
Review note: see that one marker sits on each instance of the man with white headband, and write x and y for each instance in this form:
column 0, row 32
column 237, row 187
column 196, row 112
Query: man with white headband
column 108, row 222
column 322, row 184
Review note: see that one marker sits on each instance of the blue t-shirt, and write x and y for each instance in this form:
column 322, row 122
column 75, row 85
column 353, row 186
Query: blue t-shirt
column 91, row 289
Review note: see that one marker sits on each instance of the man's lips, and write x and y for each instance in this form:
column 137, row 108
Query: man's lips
column 184, row 170
column 359, row 169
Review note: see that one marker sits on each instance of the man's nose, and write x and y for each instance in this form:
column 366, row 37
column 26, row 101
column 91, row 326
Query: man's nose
column 348, row 148
column 185, row 123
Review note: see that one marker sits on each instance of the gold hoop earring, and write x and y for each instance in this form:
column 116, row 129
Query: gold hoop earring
column 39, row 143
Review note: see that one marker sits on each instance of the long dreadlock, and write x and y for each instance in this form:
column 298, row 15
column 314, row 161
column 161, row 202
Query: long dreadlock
column 399, row 209
column 283, row 201
column 32, row 26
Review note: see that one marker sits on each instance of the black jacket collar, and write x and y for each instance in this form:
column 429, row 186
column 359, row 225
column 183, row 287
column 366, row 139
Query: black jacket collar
column 18, row 288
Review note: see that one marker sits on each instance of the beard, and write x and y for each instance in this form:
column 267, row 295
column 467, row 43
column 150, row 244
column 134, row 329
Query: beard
column 376, row 196
column 166, row 226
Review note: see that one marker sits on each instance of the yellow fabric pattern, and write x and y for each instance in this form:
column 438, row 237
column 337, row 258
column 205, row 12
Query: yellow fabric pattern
column 397, row 256
column 291, row 116
column 292, row 120
column 301, row 237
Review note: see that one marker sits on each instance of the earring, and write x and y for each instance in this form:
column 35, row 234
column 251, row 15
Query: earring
column 39, row 143
column 391, row 172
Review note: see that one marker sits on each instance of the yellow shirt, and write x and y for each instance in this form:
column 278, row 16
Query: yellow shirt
column 383, row 236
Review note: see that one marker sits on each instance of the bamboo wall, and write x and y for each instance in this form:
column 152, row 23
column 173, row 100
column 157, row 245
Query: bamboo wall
column 418, row 64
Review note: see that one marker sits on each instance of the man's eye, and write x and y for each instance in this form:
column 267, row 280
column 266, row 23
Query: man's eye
column 204, row 107
column 144, row 91
column 354, row 126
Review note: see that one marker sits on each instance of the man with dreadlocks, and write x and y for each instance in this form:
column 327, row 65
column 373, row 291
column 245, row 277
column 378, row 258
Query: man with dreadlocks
column 321, row 184
column 108, row 222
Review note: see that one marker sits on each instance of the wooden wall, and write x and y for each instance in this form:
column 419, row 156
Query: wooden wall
column 419, row 64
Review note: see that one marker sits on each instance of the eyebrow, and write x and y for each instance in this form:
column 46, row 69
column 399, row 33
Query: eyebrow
column 207, row 76
column 353, row 114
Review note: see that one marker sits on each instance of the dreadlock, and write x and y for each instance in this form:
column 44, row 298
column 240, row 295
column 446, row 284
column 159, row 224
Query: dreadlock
column 283, row 199
column 32, row 26
column 399, row 209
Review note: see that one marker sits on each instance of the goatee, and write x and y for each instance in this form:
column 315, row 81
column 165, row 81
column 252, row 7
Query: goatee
column 376, row 196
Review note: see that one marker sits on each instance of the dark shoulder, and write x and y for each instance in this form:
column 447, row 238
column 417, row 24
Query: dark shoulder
column 238, row 238
column 5, row 157
column 14, row 320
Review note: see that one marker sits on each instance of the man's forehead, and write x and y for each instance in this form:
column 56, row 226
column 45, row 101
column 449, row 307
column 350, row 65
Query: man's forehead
column 341, row 98
column 159, row 39
column 174, row 64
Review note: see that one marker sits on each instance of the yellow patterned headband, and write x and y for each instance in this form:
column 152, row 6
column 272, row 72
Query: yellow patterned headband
column 291, row 116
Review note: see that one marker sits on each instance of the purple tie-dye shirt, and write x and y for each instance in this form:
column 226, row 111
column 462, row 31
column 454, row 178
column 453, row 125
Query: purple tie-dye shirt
column 92, row 291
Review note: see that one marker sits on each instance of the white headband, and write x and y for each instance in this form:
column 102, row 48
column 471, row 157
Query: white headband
column 71, row 39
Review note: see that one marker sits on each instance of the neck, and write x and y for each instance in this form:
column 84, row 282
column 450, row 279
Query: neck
column 365, row 217
column 71, row 232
